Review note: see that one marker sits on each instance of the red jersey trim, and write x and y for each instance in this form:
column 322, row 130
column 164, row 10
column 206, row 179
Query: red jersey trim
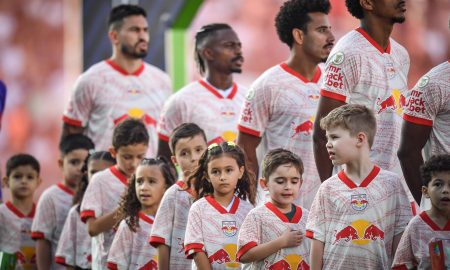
column 111, row 266
column 417, row 120
column 400, row 267
column 328, row 94
column 220, row 208
column 86, row 214
column 196, row 247
column 37, row 235
column 413, row 208
column 61, row 260
column 183, row 186
column 289, row 70
column 349, row 182
column 295, row 219
column 123, row 71
column 426, row 218
column 163, row 137
column 373, row 42
column 155, row 241
column 244, row 249
column 249, row 131
column 309, row 234
column 72, row 122
column 120, row 176
column 217, row 94
column 145, row 218
column 65, row 189
column 17, row 211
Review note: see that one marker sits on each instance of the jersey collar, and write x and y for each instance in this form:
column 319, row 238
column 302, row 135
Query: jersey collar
column 122, row 177
column 373, row 42
column 214, row 91
column 145, row 218
column 426, row 218
column 118, row 68
column 349, row 182
column 17, row 211
column 65, row 188
column 295, row 219
column 289, row 70
column 220, row 208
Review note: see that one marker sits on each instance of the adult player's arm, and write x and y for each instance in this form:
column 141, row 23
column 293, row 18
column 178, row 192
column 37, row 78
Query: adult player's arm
column 101, row 224
column 396, row 241
column 43, row 254
column 413, row 139
column 164, row 149
column 163, row 257
column 316, row 256
column 202, row 261
column 323, row 162
column 71, row 129
column 249, row 143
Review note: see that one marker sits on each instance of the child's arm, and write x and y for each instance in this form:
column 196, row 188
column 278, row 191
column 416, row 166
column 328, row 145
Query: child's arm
column 287, row 239
column 163, row 257
column 43, row 254
column 202, row 261
column 101, row 224
column 316, row 256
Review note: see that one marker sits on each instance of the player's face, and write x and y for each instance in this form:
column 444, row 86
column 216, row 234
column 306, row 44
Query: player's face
column 71, row 165
column 283, row 186
column 188, row 152
column 438, row 190
column 95, row 166
column 128, row 157
column 226, row 52
column 393, row 10
column 341, row 146
column 133, row 37
column 23, row 181
column 318, row 41
column 224, row 174
column 150, row 187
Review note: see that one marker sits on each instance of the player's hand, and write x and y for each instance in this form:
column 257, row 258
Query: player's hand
column 291, row 238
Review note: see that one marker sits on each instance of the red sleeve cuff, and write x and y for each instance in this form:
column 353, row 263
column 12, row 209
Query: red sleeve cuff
column 309, row 234
column 191, row 249
column 112, row 266
column 244, row 249
column 155, row 241
column 72, row 122
column 86, row 214
column 400, row 267
column 61, row 260
column 249, row 131
column 417, row 120
column 328, row 94
column 37, row 235
column 163, row 137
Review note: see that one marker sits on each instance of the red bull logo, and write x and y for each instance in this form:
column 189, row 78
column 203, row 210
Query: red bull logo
column 229, row 228
column 305, row 127
column 394, row 103
column 151, row 265
column 26, row 258
column 136, row 113
column 289, row 262
column 359, row 202
column 360, row 232
column 225, row 255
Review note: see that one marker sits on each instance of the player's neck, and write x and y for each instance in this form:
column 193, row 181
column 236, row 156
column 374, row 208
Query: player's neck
column 223, row 199
column 440, row 217
column 301, row 64
column 69, row 185
column 358, row 170
column 379, row 31
column 24, row 205
column 149, row 210
column 127, row 64
column 219, row 80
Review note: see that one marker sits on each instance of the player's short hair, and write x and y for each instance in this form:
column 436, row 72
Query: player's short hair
column 73, row 142
column 294, row 14
column 354, row 118
column 129, row 132
column 185, row 130
column 278, row 157
column 22, row 160
column 201, row 36
column 436, row 164
column 355, row 8
column 118, row 13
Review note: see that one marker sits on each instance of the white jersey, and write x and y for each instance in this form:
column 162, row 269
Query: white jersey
column 413, row 251
column 200, row 103
column 74, row 247
column 266, row 223
column 428, row 104
column 131, row 250
column 280, row 107
column 15, row 235
column 106, row 94
column 170, row 224
column 102, row 196
column 51, row 213
column 214, row 230
column 357, row 224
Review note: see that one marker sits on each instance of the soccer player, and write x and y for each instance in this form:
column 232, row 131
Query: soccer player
column 187, row 143
column 413, row 251
column 281, row 104
column 121, row 87
column 358, row 215
column 272, row 235
column 55, row 202
column 101, row 199
column 16, row 216
column 213, row 102
column 426, row 124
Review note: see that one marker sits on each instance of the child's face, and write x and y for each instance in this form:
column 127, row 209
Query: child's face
column 188, row 152
column 224, row 174
column 95, row 166
column 438, row 190
column 150, row 187
column 128, row 157
column 71, row 165
column 22, row 181
column 341, row 146
column 283, row 185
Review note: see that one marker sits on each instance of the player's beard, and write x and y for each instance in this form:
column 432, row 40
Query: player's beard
column 132, row 51
column 399, row 19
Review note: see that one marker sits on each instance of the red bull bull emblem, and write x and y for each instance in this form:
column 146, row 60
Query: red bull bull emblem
column 393, row 103
column 360, row 232
column 151, row 265
column 227, row 256
column 289, row 262
column 359, row 202
column 229, row 228
column 305, row 128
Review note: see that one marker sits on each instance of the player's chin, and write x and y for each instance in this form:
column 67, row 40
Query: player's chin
column 399, row 19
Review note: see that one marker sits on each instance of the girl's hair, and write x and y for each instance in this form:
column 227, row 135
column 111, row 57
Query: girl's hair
column 246, row 186
column 129, row 205
column 82, row 186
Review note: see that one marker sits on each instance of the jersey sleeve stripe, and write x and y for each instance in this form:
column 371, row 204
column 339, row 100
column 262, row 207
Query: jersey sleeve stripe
column 163, row 137
column 249, row 131
column 417, row 120
column 309, row 234
column 112, row 266
column 155, row 241
column 61, row 260
column 191, row 249
column 86, row 214
column 328, row 94
column 37, row 235
column 244, row 249
column 71, row 121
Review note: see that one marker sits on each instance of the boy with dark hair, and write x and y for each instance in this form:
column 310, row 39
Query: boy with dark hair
column 187, row 143
column 55, row 202
column 16, row 216
column 272, row 235
column 358, row 215
column 101, row 199
column 413, row 251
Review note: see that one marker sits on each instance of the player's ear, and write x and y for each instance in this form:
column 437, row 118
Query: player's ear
column 367, row 4
column 263, row 184
column 174, row 160
column 207, row 53
column 361, row 137
column 113, row 36
column 297, row 36
column 5, row 182
column 112, row 151
column 425, row 192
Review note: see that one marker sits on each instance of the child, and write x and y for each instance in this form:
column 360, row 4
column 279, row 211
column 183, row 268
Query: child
column 55, row 202
column 413, row 251
column 272, row 235
column 187, row 144
column 16, row 216
column 130, row 248
column 100, row 202
column 74, row 247
column 358, row 216
column 222, row 185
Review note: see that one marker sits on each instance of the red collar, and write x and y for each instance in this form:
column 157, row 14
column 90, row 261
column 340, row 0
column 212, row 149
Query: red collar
column 426, row 218
column 17, row 211
column 289, row 70
column 373, row 42
column 214, row 91
column 145, row 218
column 115, row 66
column 220, row 208
column 349, row 182
column 122, row 177
column 65, row 188
column 295, row 219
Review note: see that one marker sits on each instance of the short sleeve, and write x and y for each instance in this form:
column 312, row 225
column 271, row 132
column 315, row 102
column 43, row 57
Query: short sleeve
column 163, row 225
column 44, row 222
column 92, row 200
column 316, row 224
column 120, row 252
column 404, row 256
column 403, row 211
column 80, row 104
column 66, row 250
column 171, row 117
column 193, row 240
column 248, row 234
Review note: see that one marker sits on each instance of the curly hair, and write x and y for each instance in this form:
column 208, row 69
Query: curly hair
column 440, row 163
column 129, row 205
column 294, row 14
column 355, row 8
column 246, row 186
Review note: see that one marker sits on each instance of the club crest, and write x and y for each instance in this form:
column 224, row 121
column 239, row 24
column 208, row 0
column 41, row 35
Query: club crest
column 229, row 228
column 359, row 202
